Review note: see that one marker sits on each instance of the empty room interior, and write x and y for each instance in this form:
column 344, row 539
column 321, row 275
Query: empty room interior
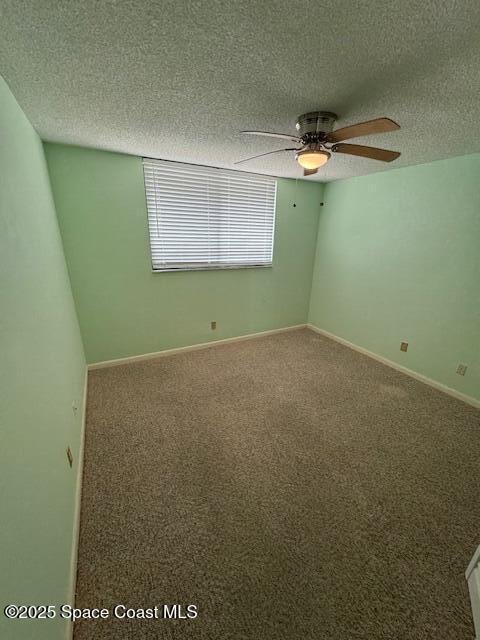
column 240, row 320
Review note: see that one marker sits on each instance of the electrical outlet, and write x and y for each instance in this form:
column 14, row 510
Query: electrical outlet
column 462, row 369
column 213, row 325
column 403, row 346
column 69, row 456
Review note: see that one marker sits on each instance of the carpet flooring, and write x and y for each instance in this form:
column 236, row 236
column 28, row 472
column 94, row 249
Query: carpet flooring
column 288, row 487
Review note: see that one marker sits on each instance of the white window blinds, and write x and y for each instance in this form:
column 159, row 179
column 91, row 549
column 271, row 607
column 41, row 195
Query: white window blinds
column 206, row 218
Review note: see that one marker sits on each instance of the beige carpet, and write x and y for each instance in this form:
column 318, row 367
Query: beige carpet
column 288, row 486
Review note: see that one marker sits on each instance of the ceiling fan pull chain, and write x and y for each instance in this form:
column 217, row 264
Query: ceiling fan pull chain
column 295, row 193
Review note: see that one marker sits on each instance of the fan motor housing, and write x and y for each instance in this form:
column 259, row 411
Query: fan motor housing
column 315, row 125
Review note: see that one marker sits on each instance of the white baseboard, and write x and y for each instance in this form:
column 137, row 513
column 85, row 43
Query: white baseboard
column 193, row 347
column 409, row 372
column 78, row 501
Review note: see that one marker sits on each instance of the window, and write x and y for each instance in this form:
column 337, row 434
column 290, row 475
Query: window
column 205, row 218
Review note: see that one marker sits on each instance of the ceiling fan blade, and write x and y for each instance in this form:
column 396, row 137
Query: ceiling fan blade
column 283, row 136
column 264, row 154
column 366, row 152
column 379, row 125
column 309, row 172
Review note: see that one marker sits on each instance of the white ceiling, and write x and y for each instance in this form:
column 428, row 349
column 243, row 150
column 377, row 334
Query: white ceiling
column 179, row 79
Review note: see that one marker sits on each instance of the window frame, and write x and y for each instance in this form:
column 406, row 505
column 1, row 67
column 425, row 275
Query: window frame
column 216, row 266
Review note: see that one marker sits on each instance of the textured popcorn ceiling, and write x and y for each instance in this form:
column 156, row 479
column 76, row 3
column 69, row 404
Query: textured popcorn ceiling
column 179, row 80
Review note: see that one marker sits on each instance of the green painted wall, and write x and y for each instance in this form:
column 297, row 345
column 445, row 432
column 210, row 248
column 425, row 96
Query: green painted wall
column 398, row 258
column 124, row 309
column 42, row 369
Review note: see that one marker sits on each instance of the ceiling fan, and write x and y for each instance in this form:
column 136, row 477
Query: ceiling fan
column 317, row 140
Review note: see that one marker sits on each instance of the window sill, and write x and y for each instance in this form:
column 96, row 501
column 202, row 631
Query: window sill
column 213, row 268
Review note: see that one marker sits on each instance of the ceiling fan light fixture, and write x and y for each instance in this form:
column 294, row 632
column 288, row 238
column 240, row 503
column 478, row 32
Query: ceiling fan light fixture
column 312, row 158
column 318, row 140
